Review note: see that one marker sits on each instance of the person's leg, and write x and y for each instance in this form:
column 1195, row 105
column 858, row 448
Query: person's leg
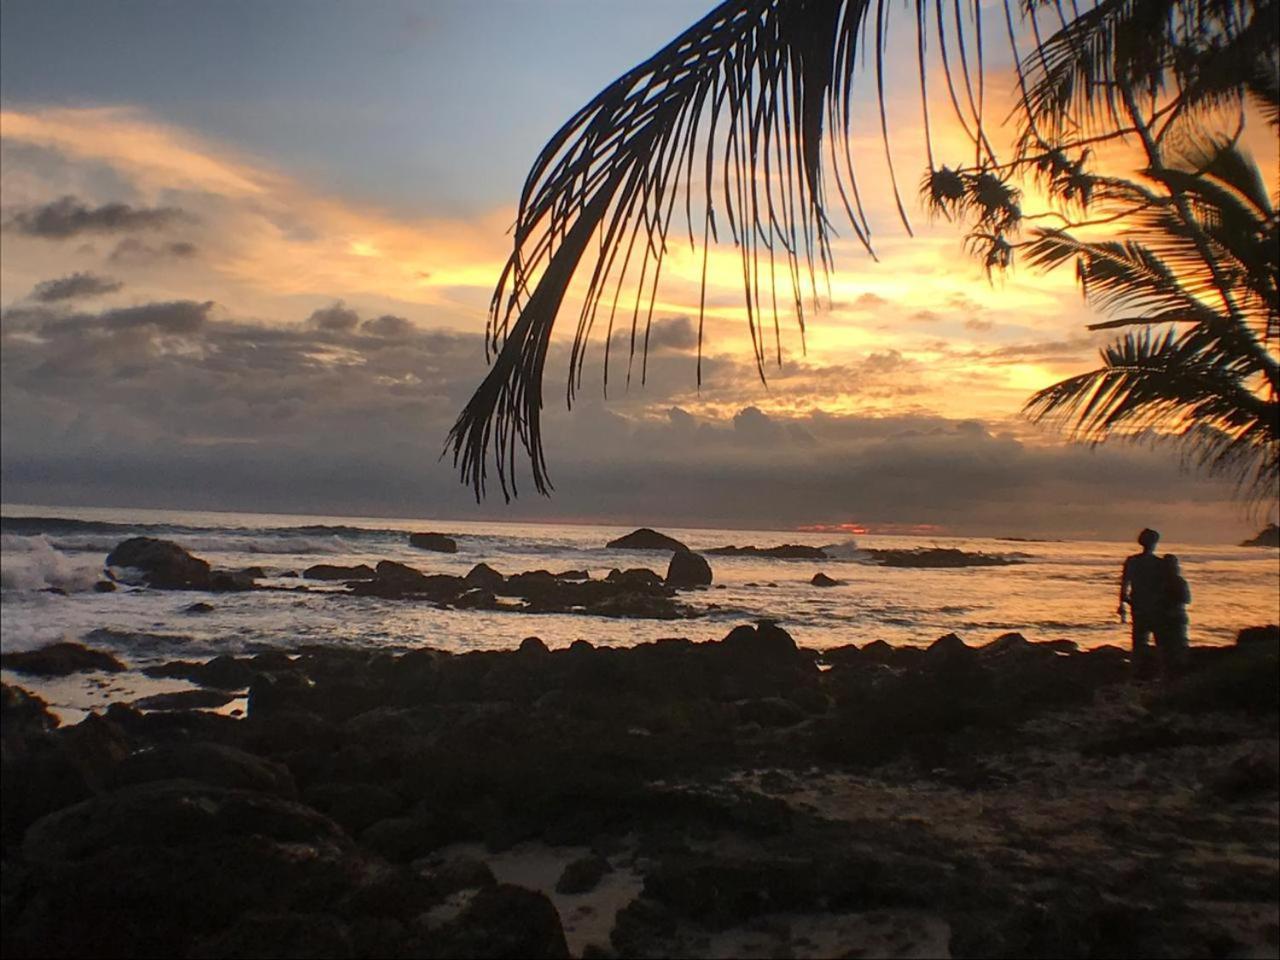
column 1141, row 657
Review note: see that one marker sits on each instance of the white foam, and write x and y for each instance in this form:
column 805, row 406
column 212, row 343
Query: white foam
column 845, row 550
column 34, row 563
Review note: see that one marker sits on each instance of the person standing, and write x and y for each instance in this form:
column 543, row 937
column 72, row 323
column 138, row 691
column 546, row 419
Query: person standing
column 1171, row 630
column 1142, row 588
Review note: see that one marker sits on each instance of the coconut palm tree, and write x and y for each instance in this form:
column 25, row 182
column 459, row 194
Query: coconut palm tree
column 740, row 129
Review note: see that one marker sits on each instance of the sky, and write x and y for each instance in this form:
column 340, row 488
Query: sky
column 246, row 253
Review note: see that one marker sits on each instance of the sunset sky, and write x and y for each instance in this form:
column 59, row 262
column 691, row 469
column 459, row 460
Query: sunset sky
column 248, row 248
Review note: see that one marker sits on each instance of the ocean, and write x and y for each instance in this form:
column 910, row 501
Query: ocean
column 50, row 558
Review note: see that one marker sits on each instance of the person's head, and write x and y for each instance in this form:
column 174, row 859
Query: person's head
column 1148, row 539
column 1171, row 563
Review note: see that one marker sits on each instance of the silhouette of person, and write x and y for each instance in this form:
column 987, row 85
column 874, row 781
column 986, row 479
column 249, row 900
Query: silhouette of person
column 1171, row 630
column 1142, row 585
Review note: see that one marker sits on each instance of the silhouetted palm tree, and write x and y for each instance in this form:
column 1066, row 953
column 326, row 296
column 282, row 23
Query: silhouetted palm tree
column 755, row 100
column 1203, row 370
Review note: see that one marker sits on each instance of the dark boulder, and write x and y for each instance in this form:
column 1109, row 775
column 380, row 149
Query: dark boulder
column 533, row 647
column 483, row 575
column 164, row 564
column 1269, row 536
column 433, row 541
column 104, row 586
column 1260, row 637
column 214, row 764
column 313, row 935
column 766, row 640
column 462, row 873
column 584, row 875
column 22, row 712
column 59, row 660
column 333, row 571
column 355, row 806
column 198, row 608
column 230, row 581
column 646, row 539
column 184, row 700
column 822, row 580
column 641, row 577
column 785, row 551
column 504, row 922
column 687, row 569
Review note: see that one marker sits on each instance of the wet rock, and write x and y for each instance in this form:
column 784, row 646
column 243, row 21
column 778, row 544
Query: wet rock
column 152, row 869
column 261, row 935
column 104, row 586
column 504, row 922
column 1269, row 536
column 572, row 575
column 785, row 551
column 583, row 875
column 253, row 573
column 60, row 660
column 23, row 713
column 334, row 571
column 645, row 539
column 230, row 581
column 687, row 569
column 355, row 806
column 948, row 650
column 1268, row 636
column 184, row 700
column 433, row 541
column 935, row 557
column 640, row 577
column 215, row 764
column 396, row 580
column 770, row 712
column 822, row 580
column 766, row 640
column 223, row 672
column 163, row 564
column 476, row 599
column 484, row 576
column 403, row 839
column 533, row 646
column 461, row 873
column 198, row 608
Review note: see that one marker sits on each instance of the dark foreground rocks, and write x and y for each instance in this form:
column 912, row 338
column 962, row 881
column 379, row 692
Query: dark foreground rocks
column 60, row 660
column 739, row 797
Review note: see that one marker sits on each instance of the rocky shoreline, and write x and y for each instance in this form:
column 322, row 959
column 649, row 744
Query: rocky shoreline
column 742, row 797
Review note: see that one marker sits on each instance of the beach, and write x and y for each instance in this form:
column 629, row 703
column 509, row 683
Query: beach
column 716, row 783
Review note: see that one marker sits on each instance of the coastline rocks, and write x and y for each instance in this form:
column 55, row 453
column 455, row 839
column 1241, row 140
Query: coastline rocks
column 933, row 557
column 640, row 577
column 1269, row 536
column 164, row 564
column 60, row 660
column 766, row 640
column 688, row 569
column 785, row 551
column 433, row 541
column 334, row 571
column 184, row 700
column 484, row 576
column 1259, row 637
column 645, row 539
column 505, row 922
column 822, row 580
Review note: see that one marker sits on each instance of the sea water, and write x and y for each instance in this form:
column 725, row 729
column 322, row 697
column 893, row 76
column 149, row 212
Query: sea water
column 51, row 557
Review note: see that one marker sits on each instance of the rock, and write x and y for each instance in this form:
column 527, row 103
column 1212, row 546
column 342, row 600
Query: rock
column 770, row 712
column 462, row 873
column 223, row 672
column 645, row 539
column 199, row 607
column 60, row 660
column 22, row 712
column 583, row 876
column 938, row 557
column 164, row 564
column 402, row 839
column 1269, row 536
column 483, row 575
column 257, row 935
column 635, row 577
column 355, row 806
column 397, row 580
column 433, row 541
column 533, row 646
column 785, row 551
column 253, row 573
column 104, row 586
column 214, row 764
column 1259, row 637
column 505, row 923
column 573, row 575
column 230, row 581
column 948, row 647
column 687, row 569
column 822, row 580
column 184, row 700
column 765, row 640
column 333, row 571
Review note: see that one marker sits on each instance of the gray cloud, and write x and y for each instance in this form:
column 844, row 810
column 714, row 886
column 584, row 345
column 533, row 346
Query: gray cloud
column 171, row 404
column 76, row 286
column 68, row 217
column 334, row 318
column 133, row 250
